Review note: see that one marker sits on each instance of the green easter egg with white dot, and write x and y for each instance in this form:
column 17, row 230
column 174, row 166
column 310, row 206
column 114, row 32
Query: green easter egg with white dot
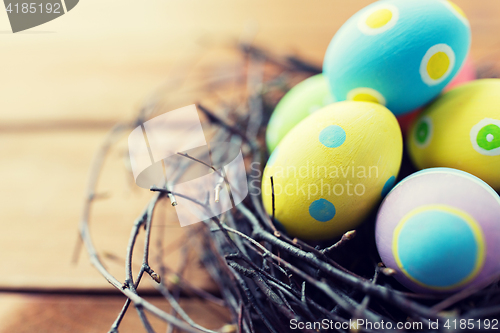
column 302, row 100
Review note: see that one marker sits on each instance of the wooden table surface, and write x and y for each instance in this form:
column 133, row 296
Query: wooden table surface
column 64, row 84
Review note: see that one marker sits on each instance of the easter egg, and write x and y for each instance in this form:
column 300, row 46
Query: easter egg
column 439, row 228
column 303, row 99
column 332, row 168
column 466, row 74
column 461, row 130
column 407, row 119
column 400, row 54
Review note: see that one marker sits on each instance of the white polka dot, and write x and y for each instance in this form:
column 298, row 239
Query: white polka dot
column 365, row 29
column 427, row 57
column 453, row 9
column 489, row 137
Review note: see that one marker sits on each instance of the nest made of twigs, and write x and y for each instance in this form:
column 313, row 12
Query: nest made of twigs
column 267, row 280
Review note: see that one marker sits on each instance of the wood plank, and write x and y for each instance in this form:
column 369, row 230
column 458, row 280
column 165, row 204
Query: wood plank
column 64, row 83
column 55, row 107
column 44, row 180
column 101, row 60
column 87, row 314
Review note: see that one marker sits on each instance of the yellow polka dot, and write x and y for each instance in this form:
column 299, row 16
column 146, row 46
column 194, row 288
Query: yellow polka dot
column 364, row 97
column 438, row 65
column 379, row 18
column 364, row 94
column 457, row 9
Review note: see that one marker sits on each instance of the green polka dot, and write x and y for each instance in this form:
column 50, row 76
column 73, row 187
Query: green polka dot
column 422, row 132
column 488, row 137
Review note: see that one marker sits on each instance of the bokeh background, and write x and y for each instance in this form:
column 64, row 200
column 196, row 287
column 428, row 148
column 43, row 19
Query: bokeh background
column 64, row 84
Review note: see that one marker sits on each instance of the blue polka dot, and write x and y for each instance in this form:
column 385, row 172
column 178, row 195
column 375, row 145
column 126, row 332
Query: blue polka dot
column 332, row 136
column 437, row 248
column 273, row 157
column 322, row 210
column 389, row 184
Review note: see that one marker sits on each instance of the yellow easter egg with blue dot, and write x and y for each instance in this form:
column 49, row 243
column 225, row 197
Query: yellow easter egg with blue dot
column 400, row 54
column 332, row 168
column 461, row 130
column 299, row 102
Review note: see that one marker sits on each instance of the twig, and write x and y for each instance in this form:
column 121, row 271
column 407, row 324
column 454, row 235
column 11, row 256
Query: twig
column 345, row 238
column 87, row 240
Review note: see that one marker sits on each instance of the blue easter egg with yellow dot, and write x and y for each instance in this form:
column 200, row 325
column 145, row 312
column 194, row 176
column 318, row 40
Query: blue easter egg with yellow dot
column 400, row 54
column 332, row 168
column 439, row 230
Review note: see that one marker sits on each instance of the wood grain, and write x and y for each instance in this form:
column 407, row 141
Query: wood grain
column 57, row 105
column 102, row 59
column 92, row 314
column 64, row 84
column 40, row 217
